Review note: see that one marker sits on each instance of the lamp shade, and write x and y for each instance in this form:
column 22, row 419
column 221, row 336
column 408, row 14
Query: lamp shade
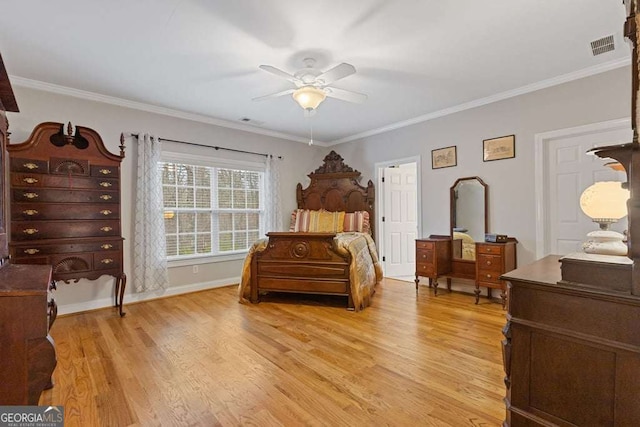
column 309, row 97
column 605, row 200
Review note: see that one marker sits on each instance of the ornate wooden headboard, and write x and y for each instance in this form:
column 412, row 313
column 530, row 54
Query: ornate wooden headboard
column 334, row 187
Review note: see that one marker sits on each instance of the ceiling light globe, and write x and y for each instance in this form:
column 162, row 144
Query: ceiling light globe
column 309, row 97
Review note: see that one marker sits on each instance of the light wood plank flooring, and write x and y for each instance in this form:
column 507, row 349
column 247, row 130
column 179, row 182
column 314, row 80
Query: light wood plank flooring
column 203, row 359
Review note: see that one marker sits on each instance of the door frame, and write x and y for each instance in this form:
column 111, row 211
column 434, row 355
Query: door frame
column 379, row 166
column 542, row 141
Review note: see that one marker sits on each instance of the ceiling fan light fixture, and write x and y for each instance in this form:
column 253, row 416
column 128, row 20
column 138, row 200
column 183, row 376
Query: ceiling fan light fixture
column 309, row 97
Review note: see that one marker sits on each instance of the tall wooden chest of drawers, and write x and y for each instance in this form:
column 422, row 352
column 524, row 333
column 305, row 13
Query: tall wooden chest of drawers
column 65, row 205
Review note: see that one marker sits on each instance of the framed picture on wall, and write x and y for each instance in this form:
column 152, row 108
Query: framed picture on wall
column 444, row 157
column 503, row 147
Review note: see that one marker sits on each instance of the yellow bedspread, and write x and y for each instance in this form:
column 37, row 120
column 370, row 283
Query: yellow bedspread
column 365, row 270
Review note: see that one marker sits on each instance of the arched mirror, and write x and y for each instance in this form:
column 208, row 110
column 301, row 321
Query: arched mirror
column 468, row 216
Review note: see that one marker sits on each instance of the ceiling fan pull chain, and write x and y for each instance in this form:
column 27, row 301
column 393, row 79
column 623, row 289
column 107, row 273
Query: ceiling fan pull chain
column 310, row 131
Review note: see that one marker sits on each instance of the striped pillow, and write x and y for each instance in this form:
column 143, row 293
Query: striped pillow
column 300, row 220
column 357, row 221
column 326, row 222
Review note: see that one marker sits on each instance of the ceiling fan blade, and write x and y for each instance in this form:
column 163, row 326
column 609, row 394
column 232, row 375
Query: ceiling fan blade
column 345, row 95
column 336, row 73
column 274, row 95
column 280, row 73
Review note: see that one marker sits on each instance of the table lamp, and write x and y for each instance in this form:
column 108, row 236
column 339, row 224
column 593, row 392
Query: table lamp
column 605, row 203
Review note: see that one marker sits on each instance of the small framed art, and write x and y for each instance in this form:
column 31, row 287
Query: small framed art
column 503, row 147
column 444, row 157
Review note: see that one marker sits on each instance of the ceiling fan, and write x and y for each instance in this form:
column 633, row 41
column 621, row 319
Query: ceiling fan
column 312, row 85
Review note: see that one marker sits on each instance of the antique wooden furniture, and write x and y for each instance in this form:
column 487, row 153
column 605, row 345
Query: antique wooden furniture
column 494, row 259
column 571, row 353
column 26, row 312
column 572, row 350
column 65, row 205
column 27, row 350
column 433, row 258
column 463, row 254
column 297, row 262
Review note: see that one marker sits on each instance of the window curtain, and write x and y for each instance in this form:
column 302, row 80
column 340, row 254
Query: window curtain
column 149, row 241
column 273, row 203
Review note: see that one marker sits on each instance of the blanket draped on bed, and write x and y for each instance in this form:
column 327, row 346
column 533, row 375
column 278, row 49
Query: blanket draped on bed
column 365, row 270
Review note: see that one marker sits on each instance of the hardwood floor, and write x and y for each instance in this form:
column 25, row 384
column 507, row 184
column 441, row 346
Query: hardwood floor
column 203, row 359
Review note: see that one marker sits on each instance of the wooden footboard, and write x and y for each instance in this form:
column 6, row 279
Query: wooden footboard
column 301, row 263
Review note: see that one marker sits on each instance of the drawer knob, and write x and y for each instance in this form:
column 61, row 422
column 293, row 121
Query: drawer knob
column 31, row 251
column 106, row 212
column 105, row 171
column 106, row 246
column 424, row 256
column 106, row 197
column 30, row 195
column 488, row 262
column 30, row 180
column 30, row 166
column 105, row 184
column 106, row 229
column 488, row 276
column 106, row 261
column 30, row 230
column 30, row 212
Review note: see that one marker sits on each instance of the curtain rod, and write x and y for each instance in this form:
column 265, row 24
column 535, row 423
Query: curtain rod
column 212, row 146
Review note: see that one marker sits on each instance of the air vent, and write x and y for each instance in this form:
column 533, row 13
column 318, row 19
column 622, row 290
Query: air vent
column 251, row 121
column 602, row 45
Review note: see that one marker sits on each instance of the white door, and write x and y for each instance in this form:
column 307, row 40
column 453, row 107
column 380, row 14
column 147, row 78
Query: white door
column 400, row 219
column 571, row 171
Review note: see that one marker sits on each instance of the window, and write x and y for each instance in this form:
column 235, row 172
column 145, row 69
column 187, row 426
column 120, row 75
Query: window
column 210, row 210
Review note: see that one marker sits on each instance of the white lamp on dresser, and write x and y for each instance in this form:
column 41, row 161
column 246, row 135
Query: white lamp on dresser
column 605, row 203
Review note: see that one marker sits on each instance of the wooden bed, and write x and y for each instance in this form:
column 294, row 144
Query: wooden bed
column 310, row 263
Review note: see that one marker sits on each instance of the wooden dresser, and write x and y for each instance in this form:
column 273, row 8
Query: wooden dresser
column 27, row 351
column 434, row 259
column 26, row 311
column 65, row 205
column 571, row 353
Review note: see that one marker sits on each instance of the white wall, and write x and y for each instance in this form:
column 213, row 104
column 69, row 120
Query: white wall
column 593, row 99
column 511, row 196
column 109, row 121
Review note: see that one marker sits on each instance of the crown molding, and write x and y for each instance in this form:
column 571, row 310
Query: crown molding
column 543, row 84
column 121, row 102
column 92, row 96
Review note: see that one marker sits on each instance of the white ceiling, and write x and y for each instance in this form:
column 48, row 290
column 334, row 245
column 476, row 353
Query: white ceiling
column 415, row 59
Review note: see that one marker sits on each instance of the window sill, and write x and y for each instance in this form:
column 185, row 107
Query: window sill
column 207, row 259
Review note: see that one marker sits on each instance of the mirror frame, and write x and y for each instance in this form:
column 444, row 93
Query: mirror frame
column 452, row 203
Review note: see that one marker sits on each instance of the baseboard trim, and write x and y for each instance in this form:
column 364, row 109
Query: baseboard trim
column 145, row 296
